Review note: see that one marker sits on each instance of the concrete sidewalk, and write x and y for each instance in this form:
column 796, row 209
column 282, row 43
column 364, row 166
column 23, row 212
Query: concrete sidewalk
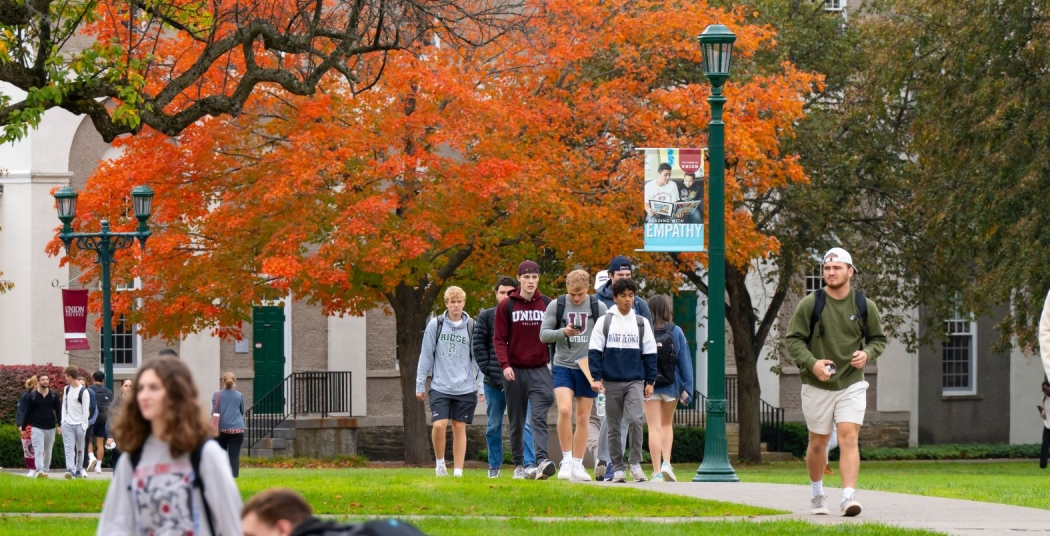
column 951, row 516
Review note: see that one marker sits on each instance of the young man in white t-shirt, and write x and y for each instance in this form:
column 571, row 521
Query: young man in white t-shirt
column 661, row 189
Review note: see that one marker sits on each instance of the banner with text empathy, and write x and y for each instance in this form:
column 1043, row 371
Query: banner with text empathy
column 674, row 199
column 74, row 313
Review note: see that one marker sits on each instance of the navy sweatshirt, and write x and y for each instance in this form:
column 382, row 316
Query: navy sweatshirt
column 618, row 356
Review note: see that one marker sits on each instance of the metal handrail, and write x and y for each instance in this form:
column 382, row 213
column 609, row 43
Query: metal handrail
column 771, row 417
column 306, row 393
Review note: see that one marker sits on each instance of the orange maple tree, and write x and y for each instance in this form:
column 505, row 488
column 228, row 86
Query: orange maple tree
column 458, row 164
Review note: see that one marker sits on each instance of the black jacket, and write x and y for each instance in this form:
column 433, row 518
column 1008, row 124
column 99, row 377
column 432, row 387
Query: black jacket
column 378, row 527
column 484, row 351
column 43, row 412
column 23, row 408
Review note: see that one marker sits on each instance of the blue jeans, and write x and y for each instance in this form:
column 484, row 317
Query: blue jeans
column 496, row 407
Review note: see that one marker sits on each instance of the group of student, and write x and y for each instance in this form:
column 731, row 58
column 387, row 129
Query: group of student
column 531, row 352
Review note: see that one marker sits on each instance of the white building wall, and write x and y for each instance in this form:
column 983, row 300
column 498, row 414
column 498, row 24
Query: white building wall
column 1026, row 377
column 201, row 352
column 896, row 382
column 761, row 295
column 347, row 352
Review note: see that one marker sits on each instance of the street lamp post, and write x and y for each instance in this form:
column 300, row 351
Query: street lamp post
column 105, row 244
column 717, row 45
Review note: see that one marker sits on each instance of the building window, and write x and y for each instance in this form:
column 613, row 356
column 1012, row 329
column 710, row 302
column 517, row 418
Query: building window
column 814, row 280
column 834, row 5
column 959, row 358
column 127, row 345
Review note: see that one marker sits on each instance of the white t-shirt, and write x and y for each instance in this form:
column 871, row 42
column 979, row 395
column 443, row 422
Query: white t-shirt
column 667, row 193
column 160, row 498
column 1046, row 411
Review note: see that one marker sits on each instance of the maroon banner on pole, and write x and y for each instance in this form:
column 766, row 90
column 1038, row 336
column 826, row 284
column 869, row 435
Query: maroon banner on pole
column 691, row 160
column 74, row 314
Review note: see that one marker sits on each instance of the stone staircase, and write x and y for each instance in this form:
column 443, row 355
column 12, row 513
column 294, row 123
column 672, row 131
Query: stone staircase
column 278, row 444
column 733, row 444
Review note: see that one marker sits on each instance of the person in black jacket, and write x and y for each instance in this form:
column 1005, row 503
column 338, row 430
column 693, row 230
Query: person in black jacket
column 27, row 433
column 495, row 398
column 283, row 512
column 43, row 414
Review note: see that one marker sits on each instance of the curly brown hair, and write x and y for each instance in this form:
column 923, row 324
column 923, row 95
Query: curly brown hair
column 183, row 415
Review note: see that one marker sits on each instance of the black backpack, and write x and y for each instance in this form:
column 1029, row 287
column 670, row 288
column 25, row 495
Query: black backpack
column 195, row 460
column 821, row 299
column 666, row 356
column 103, row 398
column 560, row 313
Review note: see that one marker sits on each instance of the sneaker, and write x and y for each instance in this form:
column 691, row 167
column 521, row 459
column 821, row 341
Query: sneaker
column 519, row 472
column 545, row 470
column 493, row 472
column 92, row 461
column 565, row 473
column 579, row 474
column 667, row 473
column 42, row 474
column 657, row 477
column 609, row 471
column 441, row 470
column 31, row 473
column 599, row 470
column 850, row 507
column 637, row 473
column 69, row 475
column 619, row 476
column 818, row 505
column 98, row 468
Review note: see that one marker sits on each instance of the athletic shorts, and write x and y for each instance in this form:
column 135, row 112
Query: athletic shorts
column 662, row 398
column 456, row 407
column 99, row 428
column 823, row 408
column 573, row 379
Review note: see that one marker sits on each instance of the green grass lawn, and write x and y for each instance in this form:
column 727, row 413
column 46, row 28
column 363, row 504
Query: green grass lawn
column 1020, row 483
column 20, row 526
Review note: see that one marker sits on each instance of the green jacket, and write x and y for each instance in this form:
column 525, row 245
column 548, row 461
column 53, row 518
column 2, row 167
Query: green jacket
column 837, row 341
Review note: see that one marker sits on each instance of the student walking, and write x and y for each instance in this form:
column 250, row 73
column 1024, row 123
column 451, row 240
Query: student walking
column 114, row 411
column 43, row 415
column 229, row 404
column 568, row 323
column 622, row 359
column 76, row 412
column 27, row 434
column 674, row 384
column 100, row 429
column 182, row 479
column 456, row 386
column 833, row 333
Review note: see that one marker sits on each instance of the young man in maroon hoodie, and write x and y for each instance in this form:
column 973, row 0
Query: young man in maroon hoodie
column 523, row 358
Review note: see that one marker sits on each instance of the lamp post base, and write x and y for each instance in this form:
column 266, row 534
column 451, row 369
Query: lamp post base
column 716, row 474
column 716, row 466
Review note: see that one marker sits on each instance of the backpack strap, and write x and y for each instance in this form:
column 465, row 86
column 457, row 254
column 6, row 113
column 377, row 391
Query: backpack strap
column 510, row 312
column 437, row 332
column 641, row 330
column 862, row 312
column 605, row 330
column 594, row 309
column 820, row 298
column 198, row 482
column 560, row 312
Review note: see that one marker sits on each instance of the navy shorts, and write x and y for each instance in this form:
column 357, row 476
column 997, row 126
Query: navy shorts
column 99, row 428
column 456, row 407
column 573, row 379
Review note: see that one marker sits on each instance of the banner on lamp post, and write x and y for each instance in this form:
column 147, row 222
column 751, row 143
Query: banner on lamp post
column 74, row 315
column 674, row 199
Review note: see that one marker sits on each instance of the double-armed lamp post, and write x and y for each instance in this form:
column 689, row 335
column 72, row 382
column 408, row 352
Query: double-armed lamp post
column 105, row 244
column 717, row 45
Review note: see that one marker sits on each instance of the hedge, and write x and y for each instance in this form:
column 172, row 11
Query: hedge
column 12, row 385
column 12, row 456
column 951, row 452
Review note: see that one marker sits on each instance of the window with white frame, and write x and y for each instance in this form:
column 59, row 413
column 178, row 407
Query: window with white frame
column 834, row 5
column 126, row 341
column 814, row 280
column 959, row 357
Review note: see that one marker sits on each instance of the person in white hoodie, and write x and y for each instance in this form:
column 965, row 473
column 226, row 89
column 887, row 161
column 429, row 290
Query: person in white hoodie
column 456, row 386
column 76, row 407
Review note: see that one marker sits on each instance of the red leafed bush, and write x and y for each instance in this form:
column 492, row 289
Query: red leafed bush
column 12, row 385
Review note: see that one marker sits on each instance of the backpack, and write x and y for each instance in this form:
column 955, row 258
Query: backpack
column 135, row 457
column 560, row 313
column 821, row 298
column 103, row 398
column 510, row 321
column 608, row 322
column 92, row 410
column 666, row 356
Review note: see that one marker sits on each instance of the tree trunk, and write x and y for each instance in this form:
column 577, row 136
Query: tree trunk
column 411, row 314
column 742, row 322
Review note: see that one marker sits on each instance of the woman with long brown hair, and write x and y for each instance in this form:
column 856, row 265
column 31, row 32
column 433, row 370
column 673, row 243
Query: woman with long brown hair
column 182, row 479
column 674, row 385
column 229, row 405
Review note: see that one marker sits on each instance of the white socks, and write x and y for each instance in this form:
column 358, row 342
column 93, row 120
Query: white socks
column 457, row 472
column 441, row 462
column 847, row 493
column 578, row 462
column 566, row 455
column 817, row 487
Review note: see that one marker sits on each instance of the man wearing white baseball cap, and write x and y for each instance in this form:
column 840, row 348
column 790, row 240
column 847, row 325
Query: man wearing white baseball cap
column 833, row 333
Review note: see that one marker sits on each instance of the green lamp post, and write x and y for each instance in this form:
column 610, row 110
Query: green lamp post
column 717, row 45
column 105, row 244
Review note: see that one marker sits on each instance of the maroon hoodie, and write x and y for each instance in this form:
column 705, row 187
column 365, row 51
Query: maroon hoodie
column 517, row 342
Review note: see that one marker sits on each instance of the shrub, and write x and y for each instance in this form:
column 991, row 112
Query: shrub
column 12, row 385
column 11, row 455
column 951, row 452
column 338, row 462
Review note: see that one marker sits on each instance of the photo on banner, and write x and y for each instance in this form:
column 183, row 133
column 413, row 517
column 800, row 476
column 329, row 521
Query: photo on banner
column 675, row 183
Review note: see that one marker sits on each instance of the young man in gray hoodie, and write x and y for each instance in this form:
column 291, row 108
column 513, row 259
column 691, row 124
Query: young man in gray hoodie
column 456, row 386
column 567, row 324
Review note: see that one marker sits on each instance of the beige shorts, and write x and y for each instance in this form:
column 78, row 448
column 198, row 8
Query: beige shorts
column 662, row 398
column 823, row 408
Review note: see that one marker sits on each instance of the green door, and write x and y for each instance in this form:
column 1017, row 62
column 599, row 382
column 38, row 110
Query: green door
column 268, row 354
column 685, row 318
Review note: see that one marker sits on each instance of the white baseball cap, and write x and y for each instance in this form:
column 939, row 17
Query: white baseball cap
column 839, row 255
column 600, row 278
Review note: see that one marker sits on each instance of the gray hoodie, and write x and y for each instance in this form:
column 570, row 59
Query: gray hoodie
column 449, row 358
column 568, row 351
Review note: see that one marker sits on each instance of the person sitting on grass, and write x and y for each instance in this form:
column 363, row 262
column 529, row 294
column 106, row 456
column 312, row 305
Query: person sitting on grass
column 283, row 512
column 456, row 388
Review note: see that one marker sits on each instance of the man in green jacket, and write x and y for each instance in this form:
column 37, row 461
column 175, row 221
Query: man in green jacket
column 831, row 353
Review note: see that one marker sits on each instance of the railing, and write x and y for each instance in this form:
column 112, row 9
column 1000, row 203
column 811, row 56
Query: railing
column 300, row 393
column 771, row 418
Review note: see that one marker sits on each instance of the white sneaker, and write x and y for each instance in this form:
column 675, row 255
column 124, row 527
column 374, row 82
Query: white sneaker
column 544, row 470
column 657, row 477
column 565, row 473
column 519, row 472
column 637, row 473
column 31, row 473
column 92, row 461
column 98, row 468
column 818, row 505
column 441, row 470
column 850, row 506
column 579, row 474
column 618, row 476
column 667, row 473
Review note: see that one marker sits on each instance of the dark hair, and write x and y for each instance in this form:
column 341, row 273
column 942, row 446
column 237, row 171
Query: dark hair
column 660, row 306
column 690, row 174
column 99, row 376
column 623, row 285
column 183, row 415
column 72, row 372
column 506, row 281
column 1046, row 383
column 167, row 352
column 663, row 167
column 273, row 505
